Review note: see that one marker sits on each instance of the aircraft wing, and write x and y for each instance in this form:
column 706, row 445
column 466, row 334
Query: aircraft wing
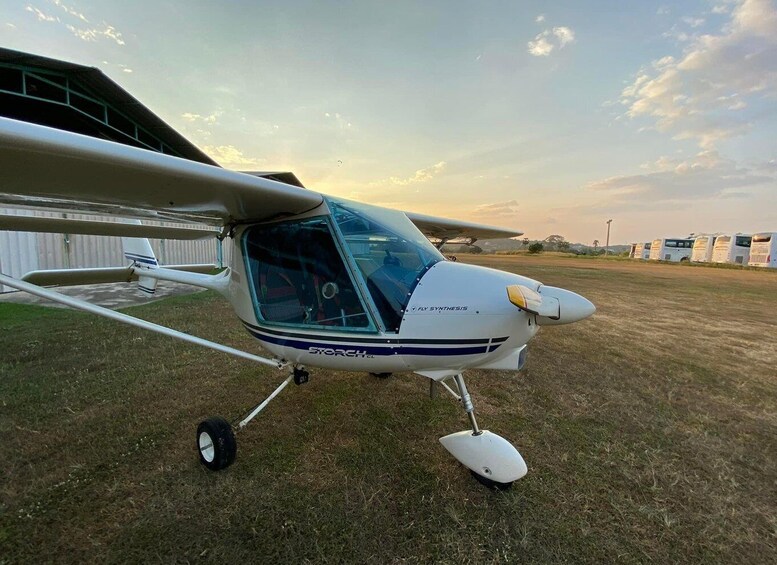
column 446, row 229
column 59, row 170
column 55, row 169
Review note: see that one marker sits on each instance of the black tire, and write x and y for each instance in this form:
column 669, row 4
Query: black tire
column 216, row 444
column 381, row 375
column 493, row 485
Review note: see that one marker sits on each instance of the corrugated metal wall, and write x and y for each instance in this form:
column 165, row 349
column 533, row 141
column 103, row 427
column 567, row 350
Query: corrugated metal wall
column 24, row 256
column 24, row 252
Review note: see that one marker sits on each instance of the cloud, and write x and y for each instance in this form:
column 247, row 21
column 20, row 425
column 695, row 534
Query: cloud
column 338, row 120
column 540, row 47
column 209, row 119
column 539, row 19
column 41, row 16
column 769, row 167
column 497, row 210
column 545, row 42
column 231, row 157
column 706, row 175
column 564, row 35
column 70, row 11
column 93, row 34
column 690, row 96
column 693, row 22
column 106, row 31
column 421, row 175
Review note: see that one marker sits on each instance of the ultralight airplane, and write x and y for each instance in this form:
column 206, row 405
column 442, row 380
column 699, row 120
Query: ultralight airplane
column 319, row 281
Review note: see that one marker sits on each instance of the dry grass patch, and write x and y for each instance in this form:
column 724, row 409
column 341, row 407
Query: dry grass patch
column 650, row 432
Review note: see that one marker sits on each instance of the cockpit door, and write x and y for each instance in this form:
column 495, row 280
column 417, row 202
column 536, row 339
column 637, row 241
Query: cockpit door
column 299, row 278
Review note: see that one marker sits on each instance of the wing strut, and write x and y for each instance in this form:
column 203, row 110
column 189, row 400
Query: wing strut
column 132, row 321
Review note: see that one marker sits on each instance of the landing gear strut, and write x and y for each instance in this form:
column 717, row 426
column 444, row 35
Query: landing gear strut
column 216, row 437
column 491, row 459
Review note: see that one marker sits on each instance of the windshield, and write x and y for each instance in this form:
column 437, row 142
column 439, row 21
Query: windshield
column 389, row 252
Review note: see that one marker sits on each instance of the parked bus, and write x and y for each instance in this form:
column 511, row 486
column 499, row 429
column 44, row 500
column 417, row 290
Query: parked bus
column 763, row 250
column 675, row 250
column 641, row 250
column 734, row 248
column 702, row 248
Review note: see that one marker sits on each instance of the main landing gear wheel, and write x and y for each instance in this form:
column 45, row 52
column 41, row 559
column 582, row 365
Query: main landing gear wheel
column 380, row 375
column 216, row 443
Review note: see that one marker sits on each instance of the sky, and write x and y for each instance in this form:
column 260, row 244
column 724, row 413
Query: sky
column 548, row 117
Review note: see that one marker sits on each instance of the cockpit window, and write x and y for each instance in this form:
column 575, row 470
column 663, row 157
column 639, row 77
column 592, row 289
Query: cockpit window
column 299, row 277
column 389, row 251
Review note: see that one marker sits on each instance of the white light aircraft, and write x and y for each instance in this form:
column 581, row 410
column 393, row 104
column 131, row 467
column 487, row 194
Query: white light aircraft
column 319, row 281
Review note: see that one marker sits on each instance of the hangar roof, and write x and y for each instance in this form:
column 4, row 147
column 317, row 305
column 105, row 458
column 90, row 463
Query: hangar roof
column 84, row 100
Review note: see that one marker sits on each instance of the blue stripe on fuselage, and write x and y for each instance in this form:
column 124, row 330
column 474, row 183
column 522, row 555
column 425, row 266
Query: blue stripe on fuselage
column 443, row 348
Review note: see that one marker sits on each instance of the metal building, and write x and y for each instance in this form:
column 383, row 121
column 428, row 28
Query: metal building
column 83, row 100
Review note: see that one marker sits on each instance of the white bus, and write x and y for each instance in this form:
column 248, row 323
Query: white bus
column 675, row 250
column 763, row 251
column 734, row 248
column 641, row 250
column 702, row 248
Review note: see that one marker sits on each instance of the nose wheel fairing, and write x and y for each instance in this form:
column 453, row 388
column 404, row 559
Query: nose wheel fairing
column 486, row 454
column 493, row 460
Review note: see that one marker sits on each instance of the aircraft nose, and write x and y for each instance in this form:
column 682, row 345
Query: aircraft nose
column 552, row 305
column 572, row 306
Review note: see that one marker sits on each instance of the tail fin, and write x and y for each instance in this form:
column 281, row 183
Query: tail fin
column 138, row 250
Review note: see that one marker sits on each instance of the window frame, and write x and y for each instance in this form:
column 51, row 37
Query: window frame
column 359, row 274
column 365, row 301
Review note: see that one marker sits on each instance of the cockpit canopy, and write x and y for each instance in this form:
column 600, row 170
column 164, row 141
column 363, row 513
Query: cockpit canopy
column 337, row 271
column 390, row 253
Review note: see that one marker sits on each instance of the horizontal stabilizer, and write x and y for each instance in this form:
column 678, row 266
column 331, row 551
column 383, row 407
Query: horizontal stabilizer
column 72, row 277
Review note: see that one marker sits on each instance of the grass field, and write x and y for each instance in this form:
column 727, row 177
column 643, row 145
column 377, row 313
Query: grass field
column 650, row 432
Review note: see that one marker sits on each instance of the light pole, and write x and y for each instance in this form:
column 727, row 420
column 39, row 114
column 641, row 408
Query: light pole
column 607, row 244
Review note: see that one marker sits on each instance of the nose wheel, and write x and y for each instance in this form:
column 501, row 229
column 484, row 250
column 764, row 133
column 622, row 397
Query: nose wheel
column 491, row 459
column 488, row 483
